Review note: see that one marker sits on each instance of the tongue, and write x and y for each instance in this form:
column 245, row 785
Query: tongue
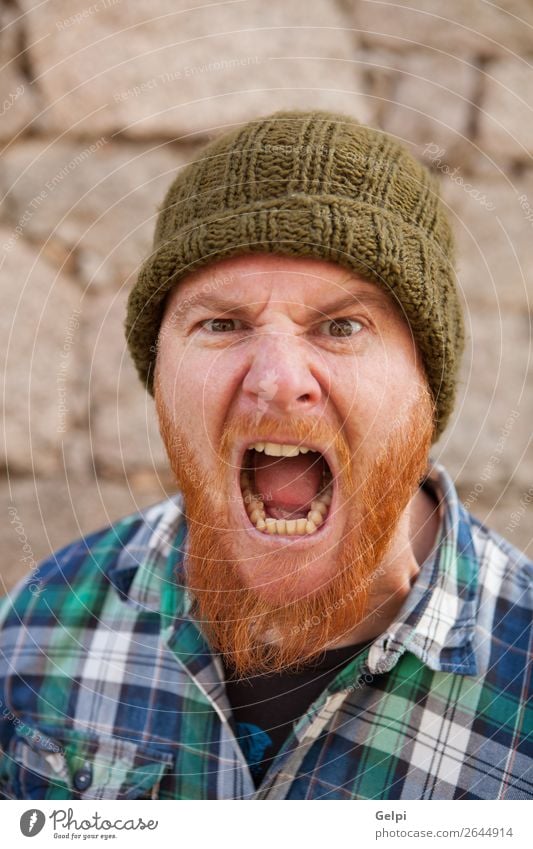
column 288, row 483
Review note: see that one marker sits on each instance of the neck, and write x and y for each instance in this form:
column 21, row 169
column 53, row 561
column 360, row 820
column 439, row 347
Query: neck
column 415, row 537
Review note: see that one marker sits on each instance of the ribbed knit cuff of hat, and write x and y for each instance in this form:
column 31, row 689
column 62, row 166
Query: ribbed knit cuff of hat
column 312, row 184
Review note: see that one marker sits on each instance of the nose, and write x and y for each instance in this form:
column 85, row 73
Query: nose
column 280, row 377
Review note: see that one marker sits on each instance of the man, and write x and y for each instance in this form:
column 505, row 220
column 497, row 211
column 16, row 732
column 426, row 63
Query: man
column 314, row 615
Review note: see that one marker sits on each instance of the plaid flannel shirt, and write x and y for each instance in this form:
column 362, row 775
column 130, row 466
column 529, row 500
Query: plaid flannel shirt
column 109, row 690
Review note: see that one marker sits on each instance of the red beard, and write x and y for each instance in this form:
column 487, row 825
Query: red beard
column 279, row 624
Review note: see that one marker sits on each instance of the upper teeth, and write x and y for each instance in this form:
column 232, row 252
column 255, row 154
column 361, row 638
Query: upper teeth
column 275, row 450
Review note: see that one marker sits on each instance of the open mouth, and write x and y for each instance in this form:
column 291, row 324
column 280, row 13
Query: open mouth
column 286, row 490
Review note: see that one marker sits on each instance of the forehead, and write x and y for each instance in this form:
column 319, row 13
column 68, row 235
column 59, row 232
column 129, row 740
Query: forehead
column 255, row 276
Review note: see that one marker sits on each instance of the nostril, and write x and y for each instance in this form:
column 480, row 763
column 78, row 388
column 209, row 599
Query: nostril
column 305, row 397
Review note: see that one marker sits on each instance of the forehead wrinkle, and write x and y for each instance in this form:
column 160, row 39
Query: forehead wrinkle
column 365, row 294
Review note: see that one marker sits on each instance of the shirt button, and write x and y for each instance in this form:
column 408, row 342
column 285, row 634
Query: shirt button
column 83, row 777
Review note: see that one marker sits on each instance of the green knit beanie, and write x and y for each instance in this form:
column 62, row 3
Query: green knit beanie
column 311, row 184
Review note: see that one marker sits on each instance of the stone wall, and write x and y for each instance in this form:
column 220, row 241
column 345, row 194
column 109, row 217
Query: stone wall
column 101, row 102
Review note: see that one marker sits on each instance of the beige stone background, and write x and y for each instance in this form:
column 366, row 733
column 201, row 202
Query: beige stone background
column 101, row 102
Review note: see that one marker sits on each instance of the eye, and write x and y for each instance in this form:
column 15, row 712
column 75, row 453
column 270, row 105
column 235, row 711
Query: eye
column 342, row 327
column 221, row 325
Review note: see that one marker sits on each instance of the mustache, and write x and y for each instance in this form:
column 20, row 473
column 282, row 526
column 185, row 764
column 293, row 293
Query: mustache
column 299, row 429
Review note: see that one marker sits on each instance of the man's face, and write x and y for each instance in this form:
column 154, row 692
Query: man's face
column 262, row 350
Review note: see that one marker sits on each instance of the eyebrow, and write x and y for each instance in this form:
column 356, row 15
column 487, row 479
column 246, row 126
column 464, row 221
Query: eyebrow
column 190, row 305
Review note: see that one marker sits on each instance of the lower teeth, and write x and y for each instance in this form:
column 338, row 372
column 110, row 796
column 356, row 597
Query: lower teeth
column 255, row 508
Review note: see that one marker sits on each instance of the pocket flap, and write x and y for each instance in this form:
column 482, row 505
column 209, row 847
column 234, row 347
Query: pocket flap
column 66, row 764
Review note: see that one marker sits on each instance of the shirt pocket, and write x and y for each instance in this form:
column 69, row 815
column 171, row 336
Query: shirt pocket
column 69, row 764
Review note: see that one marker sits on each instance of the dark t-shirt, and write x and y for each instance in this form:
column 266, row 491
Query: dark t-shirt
column 266, row 706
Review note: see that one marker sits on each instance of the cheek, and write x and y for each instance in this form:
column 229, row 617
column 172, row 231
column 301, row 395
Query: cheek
column 195, row 387
column 373, row 393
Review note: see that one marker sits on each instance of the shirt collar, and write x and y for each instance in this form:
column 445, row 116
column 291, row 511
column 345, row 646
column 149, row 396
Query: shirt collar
column 436, row 622
column 144, row 572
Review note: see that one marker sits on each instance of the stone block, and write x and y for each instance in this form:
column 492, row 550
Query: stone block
column 93, row 203
column 493, row 222
column 430, row 99
column 42, row 358
column 487, row 444
column 507, row 511
column 124, row 431
column 168, row 70
column 475, row 28
column 506, row 115
column 19, row 100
